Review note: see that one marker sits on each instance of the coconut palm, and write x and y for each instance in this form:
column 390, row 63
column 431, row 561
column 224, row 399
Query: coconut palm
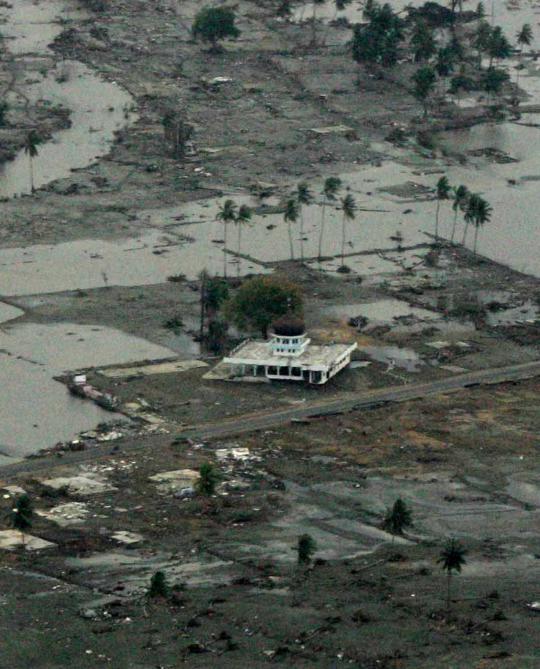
column 242, row 218
column 443, row 189
column 460, row 196
column 524, row 38
column 451, row 559
column 397, row 518
column 481, row 214
column 468, row 214
column 227, row 214
column 348, row 208
column 304, row 197
column 331, row 188
column 31, row 143
column 290, row 216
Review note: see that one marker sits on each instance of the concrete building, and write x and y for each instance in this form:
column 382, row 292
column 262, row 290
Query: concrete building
column 289, row 356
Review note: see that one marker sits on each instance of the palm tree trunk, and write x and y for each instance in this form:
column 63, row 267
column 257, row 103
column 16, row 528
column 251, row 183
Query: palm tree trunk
column 301, row 235
column 449, row 576
column 291, row 247
column 238, row 250
column 475, row 238
column 465, row 234
column 437, row 219
column 313, row 28
column 32, row 188
column 454, row 227
column 321, row 233
column 343, row 224
column 224, row 249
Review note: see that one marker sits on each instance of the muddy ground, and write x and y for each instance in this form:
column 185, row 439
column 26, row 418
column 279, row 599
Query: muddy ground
column 239, row 599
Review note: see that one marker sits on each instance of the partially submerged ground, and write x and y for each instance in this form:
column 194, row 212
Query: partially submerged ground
column 465, row 465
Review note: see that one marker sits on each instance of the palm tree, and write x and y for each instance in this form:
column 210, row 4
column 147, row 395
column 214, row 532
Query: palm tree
column 443, row 189
column 22, row 514
column 459, row 203
column 304, row 196
column 242, row 218
column 481, row 214
column 227, row 214
column 348, row 207
column 468, row 215
column 451, row 559
column 397, row 518
column 331, row 188
column 524, row 37
column 291, row 216
column 31, row 143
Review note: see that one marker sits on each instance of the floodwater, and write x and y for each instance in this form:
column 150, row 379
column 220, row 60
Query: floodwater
column 393, row 356
column 382, row 311
column 35, row 410
column 99, row 108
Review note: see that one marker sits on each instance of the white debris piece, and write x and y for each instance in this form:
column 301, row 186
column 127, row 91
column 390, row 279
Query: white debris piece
column 64, row 515
column 127, row 538
column 175, row 480
column 87, row 483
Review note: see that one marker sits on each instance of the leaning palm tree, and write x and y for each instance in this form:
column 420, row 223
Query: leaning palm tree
column 331, row 188
column 348, row 208
column 481, row 215
column 31, row 143
column 451, row 559
column 443, row 189
column 242, row 218
column 460, row 196
column 290, row 216
column 227, row 214
column 304, row 197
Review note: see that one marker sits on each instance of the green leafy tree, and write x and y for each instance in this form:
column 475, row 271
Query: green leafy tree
column 214, row 24
column 243, row 217
column 208, row 479
column 348, row 211
column 158, row 585
column 306, row 548
column 424, row 83
column 376, row 42
column 226, row 214
column 480, row 10
column 305, row 198
column 290, row 216
column 331, row 188
column 398, row 518
column 217, row 336
column 460, row 195
column 214, row 292
column 451, row 559
column 442, row 192
column 262, row 300
column 284, row 8
column 423, row 42
column 31, row 144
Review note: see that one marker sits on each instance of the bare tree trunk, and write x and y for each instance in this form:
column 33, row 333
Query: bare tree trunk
column 343, row 224
column 238, row 250
column 321, row 233
column 454, row 227
column 437, row 219
column 203, row 300
column 465, row 234
column 449, row 576
column 301, row 235
column 31, row 160
column 224, row 249
column 475, row 238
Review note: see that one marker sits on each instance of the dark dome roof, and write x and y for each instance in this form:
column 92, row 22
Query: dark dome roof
column 289, row 327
